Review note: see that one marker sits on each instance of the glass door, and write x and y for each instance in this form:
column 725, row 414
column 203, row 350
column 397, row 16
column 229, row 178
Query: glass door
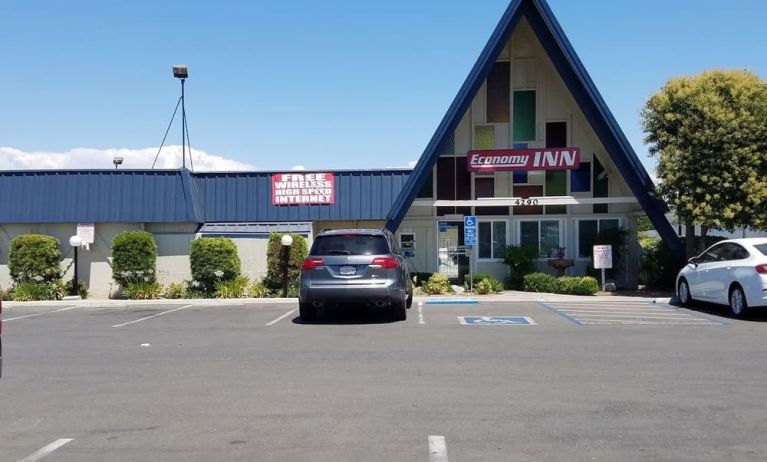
column 453, row 261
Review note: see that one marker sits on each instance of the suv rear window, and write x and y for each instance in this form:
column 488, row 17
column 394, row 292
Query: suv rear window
column 353, row 244
column 762, row 248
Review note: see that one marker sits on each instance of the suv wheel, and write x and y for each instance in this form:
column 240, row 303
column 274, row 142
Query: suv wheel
column 307, row 311
column 409, row 301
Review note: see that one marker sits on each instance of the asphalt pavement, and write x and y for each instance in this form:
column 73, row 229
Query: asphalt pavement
column 503, row 379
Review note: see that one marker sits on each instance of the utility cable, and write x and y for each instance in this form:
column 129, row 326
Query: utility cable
column 166, row 132
column 188, row 143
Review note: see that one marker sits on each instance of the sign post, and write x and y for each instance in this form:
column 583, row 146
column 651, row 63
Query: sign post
column 470, row 240
column 603, row 259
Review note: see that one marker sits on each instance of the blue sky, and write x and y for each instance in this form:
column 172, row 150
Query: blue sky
column 324, row 84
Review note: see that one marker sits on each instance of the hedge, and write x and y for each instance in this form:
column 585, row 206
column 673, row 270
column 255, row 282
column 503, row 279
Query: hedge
column 484, row 283
column 213, row 259
column 36, row 258
column 437, row 284
column 134, row 258
column 543, row 282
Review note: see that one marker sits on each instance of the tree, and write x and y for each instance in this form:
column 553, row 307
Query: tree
column 709, row 133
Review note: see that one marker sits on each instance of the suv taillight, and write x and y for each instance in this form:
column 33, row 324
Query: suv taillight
column 385, row 262
column 761, row 269
column 312, row 263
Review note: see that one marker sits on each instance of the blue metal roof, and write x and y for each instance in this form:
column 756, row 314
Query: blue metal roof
column 100, row 196
column 578, row 81
column 247, row 196
column 71, row 196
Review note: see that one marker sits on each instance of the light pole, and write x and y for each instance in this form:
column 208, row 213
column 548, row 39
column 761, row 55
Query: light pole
column 287, row 241
column 75, row 242
column 180, row 71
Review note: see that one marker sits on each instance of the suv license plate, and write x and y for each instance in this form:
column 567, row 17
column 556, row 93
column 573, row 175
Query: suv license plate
column 348, row 270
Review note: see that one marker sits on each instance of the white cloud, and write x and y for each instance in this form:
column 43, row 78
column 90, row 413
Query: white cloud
column 85, row 158
column 411, row 163
column 298, row 168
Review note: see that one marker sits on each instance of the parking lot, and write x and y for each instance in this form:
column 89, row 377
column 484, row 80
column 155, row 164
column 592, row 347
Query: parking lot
column 497, row 380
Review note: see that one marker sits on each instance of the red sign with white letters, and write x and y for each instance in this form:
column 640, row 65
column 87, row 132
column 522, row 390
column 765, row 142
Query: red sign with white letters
column 303, row 188
column 523, row 159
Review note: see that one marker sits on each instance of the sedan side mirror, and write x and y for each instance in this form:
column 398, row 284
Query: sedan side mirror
column 409, row 253
column 694, row 261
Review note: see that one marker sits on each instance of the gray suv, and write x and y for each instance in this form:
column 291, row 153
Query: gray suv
column 362, row 266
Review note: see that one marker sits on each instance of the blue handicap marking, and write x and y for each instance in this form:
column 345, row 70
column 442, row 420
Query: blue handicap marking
column 496, row 321
column 470, row 221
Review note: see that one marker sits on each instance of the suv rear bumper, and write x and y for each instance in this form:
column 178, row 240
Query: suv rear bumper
column 350, row 294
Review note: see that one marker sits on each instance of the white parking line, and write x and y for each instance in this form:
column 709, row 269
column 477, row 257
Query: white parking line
column 40, row 314
column 153, row 316
column 420, row 313
column 271, row 323
column 437, row 449
column 45, row 450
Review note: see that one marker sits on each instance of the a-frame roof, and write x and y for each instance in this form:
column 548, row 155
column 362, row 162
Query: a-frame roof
column 573, row 73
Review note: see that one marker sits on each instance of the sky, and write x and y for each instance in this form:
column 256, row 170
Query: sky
column 314, row 84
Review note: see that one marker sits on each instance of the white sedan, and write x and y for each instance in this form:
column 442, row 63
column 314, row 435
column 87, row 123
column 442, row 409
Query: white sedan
column 731, row 272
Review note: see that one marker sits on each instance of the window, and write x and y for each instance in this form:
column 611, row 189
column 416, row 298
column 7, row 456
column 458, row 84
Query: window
column 407, row 241
column 499, row 93
column 556, row 185
column 580, row 178
column 524, row 115
column 762, row 248
column 588, row 230
column 524, row 192
column 714, row 254
column 485, row 187
column 453, row 183
column 427, row 190
column 601, row 185
column 484, row 137
column 352, row 244
column 556, row 134
column 543, row 235
column 492, row 239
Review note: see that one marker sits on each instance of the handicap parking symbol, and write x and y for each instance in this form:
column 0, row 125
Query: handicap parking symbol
column 496, row 321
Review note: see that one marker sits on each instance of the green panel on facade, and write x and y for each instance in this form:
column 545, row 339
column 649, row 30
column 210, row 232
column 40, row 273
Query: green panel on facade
column 556, row 185
column 524, row 115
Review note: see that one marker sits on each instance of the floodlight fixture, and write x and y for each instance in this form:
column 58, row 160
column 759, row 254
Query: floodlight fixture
column 180, row 71
column 117, row 161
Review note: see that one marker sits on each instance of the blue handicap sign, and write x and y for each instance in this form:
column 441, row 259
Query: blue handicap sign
column 496, row 320
column 470, row 230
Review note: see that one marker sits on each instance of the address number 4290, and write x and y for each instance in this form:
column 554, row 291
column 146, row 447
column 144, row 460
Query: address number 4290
column 522, row 202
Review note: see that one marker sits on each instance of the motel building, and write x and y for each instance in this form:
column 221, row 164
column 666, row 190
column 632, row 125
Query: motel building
column 528, row 146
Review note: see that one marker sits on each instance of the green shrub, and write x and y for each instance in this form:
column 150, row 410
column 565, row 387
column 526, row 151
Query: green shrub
column 258, row 290
column 36, row 258
column 540, row 282
column 658, row 266
column 234, row 288
column 142, row 291
column 484, row 283
column 437, row 284
column 570, row 285
column 419, row 278
column 298, row 252
column 82, row 289
column 175, row 291
column 213, row 259
column 134, row 258
column 35, row 291
column 521, row 261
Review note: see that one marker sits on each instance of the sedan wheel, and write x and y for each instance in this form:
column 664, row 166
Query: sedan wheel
column 684, row 292
column 738, row 304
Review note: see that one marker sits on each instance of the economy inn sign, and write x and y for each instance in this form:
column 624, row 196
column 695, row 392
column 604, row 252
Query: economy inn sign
column 523, row 159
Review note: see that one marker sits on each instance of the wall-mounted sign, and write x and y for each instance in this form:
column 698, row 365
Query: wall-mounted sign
column 86, row 232
column 303, row 188
column 523, row 159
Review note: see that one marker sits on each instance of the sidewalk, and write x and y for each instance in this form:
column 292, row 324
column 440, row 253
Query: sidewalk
column 506, row 296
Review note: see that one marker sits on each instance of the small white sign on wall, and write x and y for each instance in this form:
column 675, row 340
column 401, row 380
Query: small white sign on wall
column 86, row 232
column 603, row 256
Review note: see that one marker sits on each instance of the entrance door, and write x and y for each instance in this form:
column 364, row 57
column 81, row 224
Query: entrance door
column 453, row 262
